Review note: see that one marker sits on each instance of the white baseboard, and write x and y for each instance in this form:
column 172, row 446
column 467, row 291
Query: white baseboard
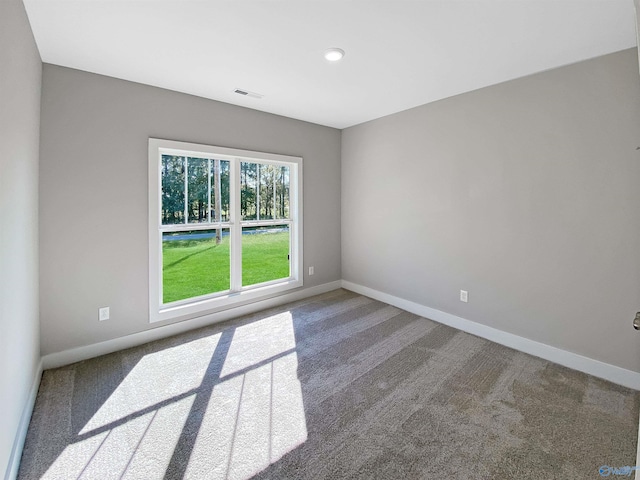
column 21, row 435
column 612, row 373
column 66, row 357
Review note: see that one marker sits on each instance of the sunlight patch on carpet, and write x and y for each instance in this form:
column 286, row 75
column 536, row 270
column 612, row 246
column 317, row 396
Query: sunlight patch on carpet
column 258, row 342
column 139, row 448
column 230, row 403
column 256, row 417
column 183, row 367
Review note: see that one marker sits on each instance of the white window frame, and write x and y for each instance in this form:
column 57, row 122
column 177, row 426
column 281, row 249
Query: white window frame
column 237, row 295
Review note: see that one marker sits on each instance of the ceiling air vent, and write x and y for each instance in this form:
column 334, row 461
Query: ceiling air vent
column 247, row 93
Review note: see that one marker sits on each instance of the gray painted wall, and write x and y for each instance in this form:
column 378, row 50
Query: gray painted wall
column 93, row 191
column 526, row 194
column 20, row 79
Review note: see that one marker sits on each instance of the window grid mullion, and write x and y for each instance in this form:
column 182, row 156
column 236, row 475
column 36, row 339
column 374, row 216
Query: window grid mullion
column 236, row 227
column 266, row 223
column 180, row 227
column 186, row 191
column 258, row 192
column 209, row 190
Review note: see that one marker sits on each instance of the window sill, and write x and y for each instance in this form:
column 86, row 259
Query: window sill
column 217, row 304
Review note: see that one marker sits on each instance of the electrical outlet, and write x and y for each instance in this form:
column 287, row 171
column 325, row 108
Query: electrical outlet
column 311, row 271
column 103, row 314
column 464, row 296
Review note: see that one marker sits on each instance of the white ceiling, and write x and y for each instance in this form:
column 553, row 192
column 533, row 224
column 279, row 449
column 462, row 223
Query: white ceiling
column 399, row 54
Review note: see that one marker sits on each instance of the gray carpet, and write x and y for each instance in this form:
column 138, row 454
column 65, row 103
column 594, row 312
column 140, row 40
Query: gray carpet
column 335, row 386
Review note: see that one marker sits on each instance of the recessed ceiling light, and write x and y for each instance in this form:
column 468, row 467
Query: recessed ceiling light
column 334, row 54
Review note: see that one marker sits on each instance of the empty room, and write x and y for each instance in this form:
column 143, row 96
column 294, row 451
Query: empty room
column 319, row 239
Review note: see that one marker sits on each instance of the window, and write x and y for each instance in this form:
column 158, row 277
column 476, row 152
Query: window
column 225, row 226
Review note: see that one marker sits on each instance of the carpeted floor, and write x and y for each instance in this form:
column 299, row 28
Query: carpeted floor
column 335, row 386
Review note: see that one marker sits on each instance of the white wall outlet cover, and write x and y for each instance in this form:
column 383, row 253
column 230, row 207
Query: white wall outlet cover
column 464, row 296
column 103, row 313
column 311, row 271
